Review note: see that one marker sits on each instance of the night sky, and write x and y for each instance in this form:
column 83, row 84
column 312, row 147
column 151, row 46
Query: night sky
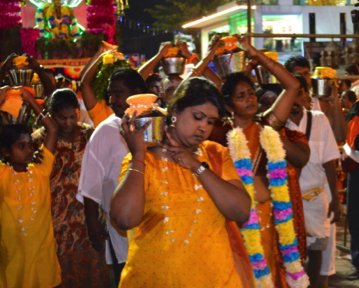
column 136, row 10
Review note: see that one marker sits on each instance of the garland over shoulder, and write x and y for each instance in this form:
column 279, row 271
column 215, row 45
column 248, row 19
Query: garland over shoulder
column 282, row 208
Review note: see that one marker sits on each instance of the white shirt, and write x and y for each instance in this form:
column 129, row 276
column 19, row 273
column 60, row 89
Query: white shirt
column 101, row 167
column 316, row 104
column 323, row 148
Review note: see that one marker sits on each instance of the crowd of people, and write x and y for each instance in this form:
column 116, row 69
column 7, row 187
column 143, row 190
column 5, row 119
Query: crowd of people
column 241, row 192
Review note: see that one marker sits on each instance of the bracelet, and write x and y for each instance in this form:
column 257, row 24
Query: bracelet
column 130, row 169
column 40, row 117
column 194, row 56
column 137, row 161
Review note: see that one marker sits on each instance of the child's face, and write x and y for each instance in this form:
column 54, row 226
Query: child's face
column 21, row 152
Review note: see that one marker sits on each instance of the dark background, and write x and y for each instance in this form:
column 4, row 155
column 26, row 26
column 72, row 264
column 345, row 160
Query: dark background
column 140, row 39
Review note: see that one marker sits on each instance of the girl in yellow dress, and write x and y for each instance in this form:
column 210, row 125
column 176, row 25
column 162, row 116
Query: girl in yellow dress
column 27, row 249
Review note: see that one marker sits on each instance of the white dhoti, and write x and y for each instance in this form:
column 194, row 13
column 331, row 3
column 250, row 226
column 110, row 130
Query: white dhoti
column 317, row 223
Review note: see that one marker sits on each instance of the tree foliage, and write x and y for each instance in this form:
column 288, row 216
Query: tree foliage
column 173, row 15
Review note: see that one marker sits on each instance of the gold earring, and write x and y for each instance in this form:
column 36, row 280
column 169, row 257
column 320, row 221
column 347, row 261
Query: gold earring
column 173, row 120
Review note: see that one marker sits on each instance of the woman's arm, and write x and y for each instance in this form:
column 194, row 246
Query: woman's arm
column 49, row 87
column 297, row 153
column 88, row 75
column 48, row 122
column 208, row 72
column 146, row 69
column 128, row 201
column 5, row 66
column 284, row 103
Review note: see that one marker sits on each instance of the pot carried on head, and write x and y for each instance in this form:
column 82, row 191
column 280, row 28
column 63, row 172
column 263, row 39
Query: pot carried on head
column 173, row 63
column 14, row 109
column 264, row 76
column 230, row 58
column 322, row 79
column 148, row 110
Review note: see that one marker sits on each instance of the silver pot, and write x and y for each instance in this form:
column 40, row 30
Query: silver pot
column 39, row 90
column 174, row 65
column 20, row 77
column 230, row 63
column 155, row 131
column 320, row 87
column 264, row 76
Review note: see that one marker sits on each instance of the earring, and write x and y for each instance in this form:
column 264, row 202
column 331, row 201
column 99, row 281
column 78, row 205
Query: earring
column 232, row 113
column 173, row 120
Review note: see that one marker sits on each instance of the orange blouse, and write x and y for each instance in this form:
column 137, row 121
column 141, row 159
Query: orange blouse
column 182, row 240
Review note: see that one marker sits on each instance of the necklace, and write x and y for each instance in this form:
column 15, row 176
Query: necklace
column 20, row 196
column 281, row 203
column 166, row 207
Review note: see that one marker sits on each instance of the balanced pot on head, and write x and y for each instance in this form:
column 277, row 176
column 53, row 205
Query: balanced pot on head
column 174, row 65
column 227, row 64
column 20, row 77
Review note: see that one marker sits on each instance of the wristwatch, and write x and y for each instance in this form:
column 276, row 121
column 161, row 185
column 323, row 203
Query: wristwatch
column 204, row 166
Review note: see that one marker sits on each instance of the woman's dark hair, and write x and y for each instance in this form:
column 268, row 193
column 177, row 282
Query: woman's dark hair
column 193, row 92
column 9, row 135
column 63, row 99
column 153, row 78
column 230, row 85
column 352, row 97
column 302, row 82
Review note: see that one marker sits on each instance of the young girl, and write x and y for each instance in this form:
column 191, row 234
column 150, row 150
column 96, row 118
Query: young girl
column 27, row 250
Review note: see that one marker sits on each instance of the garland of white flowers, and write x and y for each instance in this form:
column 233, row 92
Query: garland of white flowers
column 282, row 208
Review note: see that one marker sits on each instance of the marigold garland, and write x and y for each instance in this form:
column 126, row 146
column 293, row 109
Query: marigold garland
column 282, row 208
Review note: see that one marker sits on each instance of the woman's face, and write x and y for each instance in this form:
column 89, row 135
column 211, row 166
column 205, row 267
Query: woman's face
column 244, row 100
column 66, row 120
column 194, row 124
column 344, row 101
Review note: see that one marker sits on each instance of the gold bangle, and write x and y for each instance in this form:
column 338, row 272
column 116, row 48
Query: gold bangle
column 130, row 169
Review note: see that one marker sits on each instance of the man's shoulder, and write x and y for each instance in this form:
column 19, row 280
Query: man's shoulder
column 319, row 116
column 111, row 123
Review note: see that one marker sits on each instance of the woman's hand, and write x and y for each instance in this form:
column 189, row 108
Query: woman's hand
column 32, row 62
column 8, row 62
column 3, row 91
column 245, row 44
column 134, row 137
column 164, row 48
column 180, row 154
column 26, row 96
column 184, row 49
column 212, row 47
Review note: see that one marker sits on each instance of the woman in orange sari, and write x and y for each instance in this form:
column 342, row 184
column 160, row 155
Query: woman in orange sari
column 178, row 195
column 241, row 102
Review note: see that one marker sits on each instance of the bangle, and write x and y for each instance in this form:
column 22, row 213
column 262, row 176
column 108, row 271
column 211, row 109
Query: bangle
column 194, row 56
column 40, row 117
column 40, row 68
column 130, row 169
column 138, row 161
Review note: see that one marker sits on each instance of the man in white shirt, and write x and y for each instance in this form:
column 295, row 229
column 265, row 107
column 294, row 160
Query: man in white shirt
column 101, row 168
column 319, row 171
